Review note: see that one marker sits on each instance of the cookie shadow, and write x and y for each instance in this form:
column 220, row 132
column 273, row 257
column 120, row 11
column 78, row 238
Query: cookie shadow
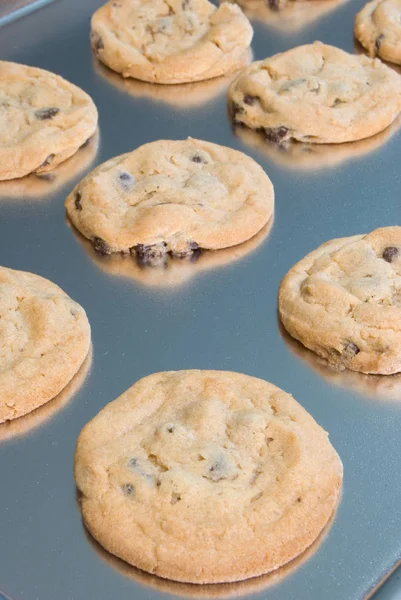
column 179, row 96
column 314, row 157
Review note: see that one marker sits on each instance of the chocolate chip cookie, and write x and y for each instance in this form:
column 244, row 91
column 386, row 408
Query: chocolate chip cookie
column 316, row 94
column 45, row 338
column 172, row 197
column 206, row 476
column 343, row 301
column 171, row 41
column 378, row 28
column 44, row 120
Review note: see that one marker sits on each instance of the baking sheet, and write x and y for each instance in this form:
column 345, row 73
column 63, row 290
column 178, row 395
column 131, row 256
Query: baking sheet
column 13, row 9
column 218, row 313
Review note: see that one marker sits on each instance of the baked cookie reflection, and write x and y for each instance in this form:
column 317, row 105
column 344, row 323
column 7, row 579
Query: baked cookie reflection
column 379, row 387
column 180, row 96
column 173, row 272
column 310, row 157
column 44, row 413
column 40, row 186
column 217, row 590
column 291, row 17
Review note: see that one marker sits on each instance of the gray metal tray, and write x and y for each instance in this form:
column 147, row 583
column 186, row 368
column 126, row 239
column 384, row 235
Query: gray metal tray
column 13, row 9
column 218, row 313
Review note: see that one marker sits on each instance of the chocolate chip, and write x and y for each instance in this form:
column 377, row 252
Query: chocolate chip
column 390, row 253
column 149, row 252
column 350, row 350
column 100, row 246
column 275, row 134
column 336, row 102
column 128, row 489
column 124, row 176
column 236, row 109
column 250, row 100
column 157, row 254
column 197, row 159
column 273, row 4
column 47, row 161
column 154, row 255
column 98, row 43
column 77, row 201
column 170, row 429
column 378, row 42
column 46, row 113
column 126, row 180
column 193, row 246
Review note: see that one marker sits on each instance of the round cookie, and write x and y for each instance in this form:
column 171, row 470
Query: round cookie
column 45, row 339
column 316, row 94
column 172, row 196
column 343, row 301
column 44, row 120
column 206, row 476
column 378, row 28
column 174, row 41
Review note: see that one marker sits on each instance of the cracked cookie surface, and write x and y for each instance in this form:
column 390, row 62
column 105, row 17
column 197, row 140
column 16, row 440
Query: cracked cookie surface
column 171, row 41
column 378, row 28
column 206, row 476
column 44, row 120
column 343, row 301
column 316, row 94
column 172, row 196
column 44, row 339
